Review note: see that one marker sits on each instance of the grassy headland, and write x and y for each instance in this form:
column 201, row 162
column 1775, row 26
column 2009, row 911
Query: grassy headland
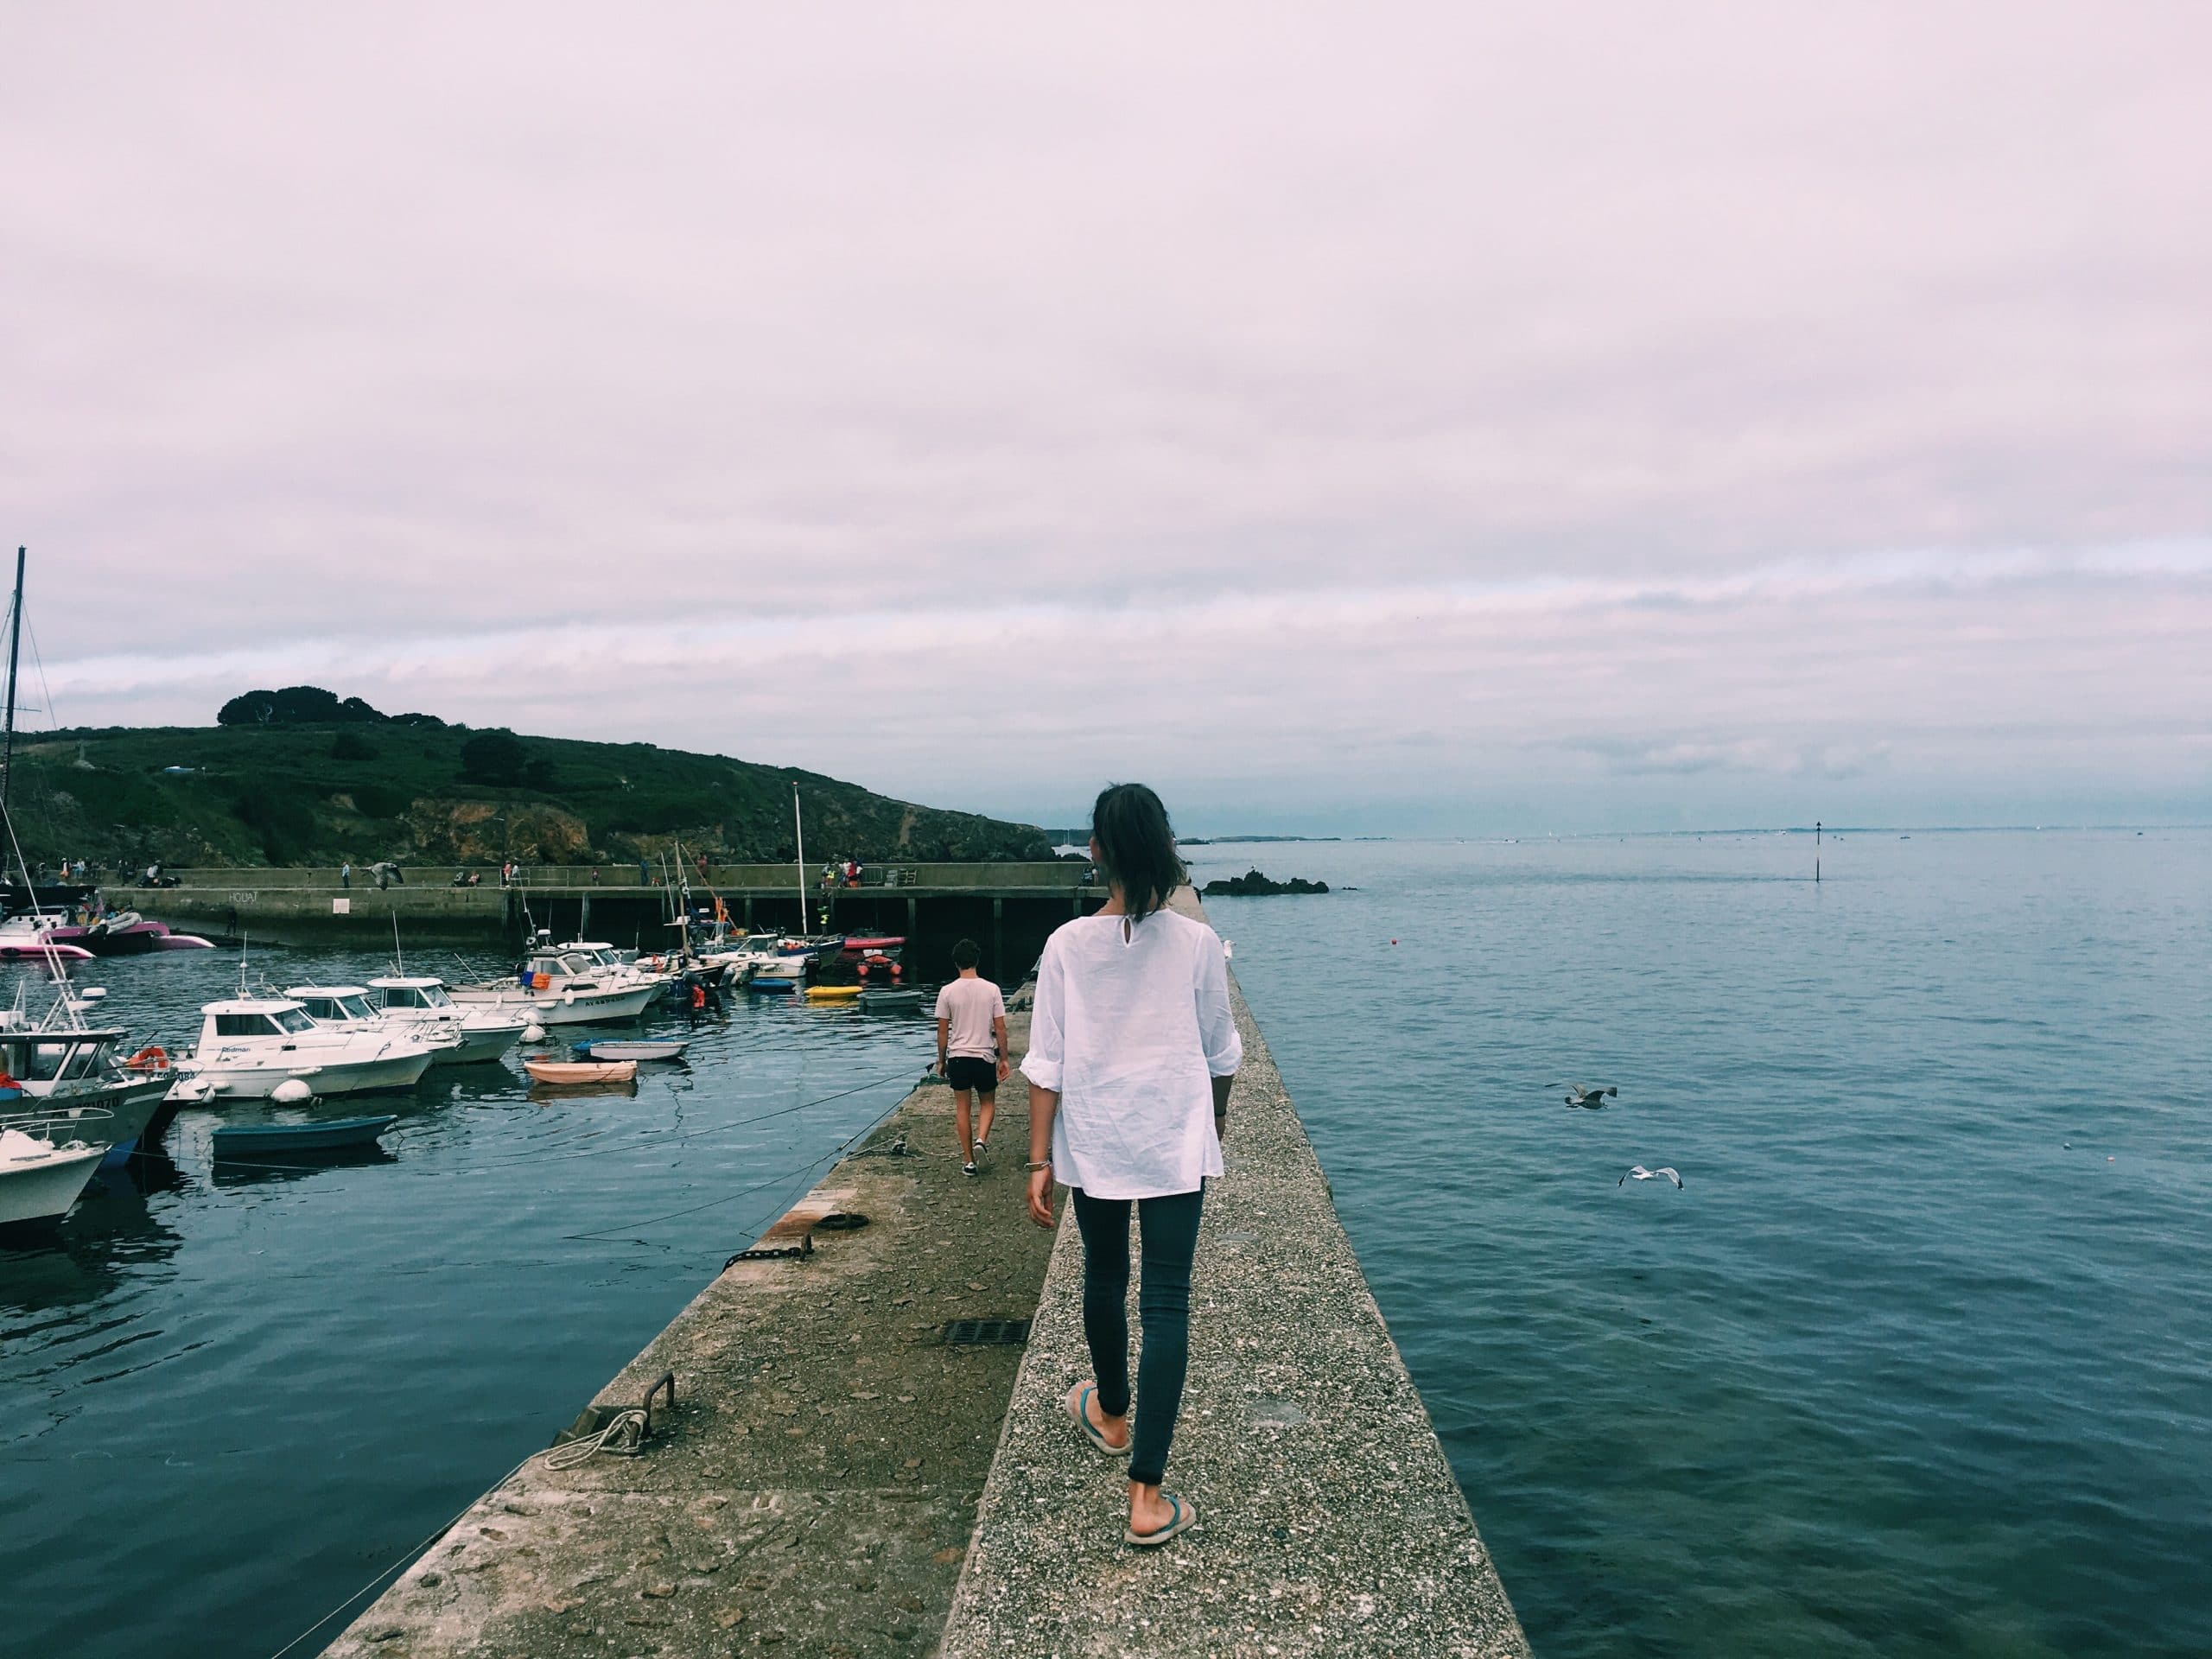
column 364, row 787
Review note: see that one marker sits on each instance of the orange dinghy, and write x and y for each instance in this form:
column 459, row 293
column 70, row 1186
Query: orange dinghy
column 573, row 1071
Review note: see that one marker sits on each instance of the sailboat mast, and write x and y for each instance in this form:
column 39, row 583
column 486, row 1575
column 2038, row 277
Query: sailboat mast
column 14, row 648
column 798, row 828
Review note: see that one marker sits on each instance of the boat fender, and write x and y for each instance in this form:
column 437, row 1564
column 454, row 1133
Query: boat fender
column 293, row 1091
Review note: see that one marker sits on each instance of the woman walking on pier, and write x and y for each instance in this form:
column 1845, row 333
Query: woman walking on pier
column 1132, row 1049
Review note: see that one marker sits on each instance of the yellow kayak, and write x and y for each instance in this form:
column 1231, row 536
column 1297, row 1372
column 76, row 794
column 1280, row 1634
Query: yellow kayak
column 832, row 992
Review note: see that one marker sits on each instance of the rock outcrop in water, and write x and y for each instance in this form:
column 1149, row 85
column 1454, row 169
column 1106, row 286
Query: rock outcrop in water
column 1253, row 884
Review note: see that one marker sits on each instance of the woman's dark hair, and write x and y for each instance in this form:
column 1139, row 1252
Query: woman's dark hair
column 1136, row 846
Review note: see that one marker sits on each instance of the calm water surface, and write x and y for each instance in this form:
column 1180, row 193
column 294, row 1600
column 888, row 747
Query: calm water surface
column 230, row 1396
column 1919, row 1360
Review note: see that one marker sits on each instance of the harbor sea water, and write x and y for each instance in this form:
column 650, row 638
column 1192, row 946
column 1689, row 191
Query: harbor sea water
column 1918, row 1359
column 230, row 1394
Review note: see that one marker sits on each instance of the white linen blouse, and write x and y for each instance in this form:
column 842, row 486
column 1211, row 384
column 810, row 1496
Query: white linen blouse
column 1131, row 1031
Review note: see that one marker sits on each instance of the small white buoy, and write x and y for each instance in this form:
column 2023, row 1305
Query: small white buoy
column 293, row 1091
column 533, row 1033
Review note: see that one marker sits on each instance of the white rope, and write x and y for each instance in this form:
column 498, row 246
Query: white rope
column 623, row 1437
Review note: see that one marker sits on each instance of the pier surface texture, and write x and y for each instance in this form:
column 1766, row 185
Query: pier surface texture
column 1330, row 1523
column 837, row 1480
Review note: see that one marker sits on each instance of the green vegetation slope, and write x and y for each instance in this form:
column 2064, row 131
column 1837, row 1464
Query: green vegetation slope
column 417, row 791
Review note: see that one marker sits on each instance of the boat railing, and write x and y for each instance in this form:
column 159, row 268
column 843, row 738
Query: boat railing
column 42, row 1124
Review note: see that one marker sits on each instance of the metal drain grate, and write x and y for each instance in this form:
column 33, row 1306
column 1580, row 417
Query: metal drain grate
column 986, row 1333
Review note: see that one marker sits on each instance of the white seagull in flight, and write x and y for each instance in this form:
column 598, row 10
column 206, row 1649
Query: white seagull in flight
column 1637, row 1172
column 1592, row 1099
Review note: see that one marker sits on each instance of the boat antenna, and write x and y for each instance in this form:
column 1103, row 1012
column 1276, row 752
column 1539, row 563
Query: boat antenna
column 798, row 831
column 55, row 965
column 399, row 962
column 15, row 651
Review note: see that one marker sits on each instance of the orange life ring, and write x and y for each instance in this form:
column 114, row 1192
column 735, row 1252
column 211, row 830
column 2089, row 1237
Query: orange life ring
column 152, row 1058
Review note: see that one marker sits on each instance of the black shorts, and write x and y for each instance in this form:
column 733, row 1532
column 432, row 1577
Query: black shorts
column 965, row 1072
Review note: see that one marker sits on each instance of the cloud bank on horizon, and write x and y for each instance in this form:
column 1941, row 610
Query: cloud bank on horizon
column 1366, row 420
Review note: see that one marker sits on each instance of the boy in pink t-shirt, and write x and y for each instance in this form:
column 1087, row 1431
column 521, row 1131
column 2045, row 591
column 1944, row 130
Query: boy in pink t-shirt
column 971, row 1052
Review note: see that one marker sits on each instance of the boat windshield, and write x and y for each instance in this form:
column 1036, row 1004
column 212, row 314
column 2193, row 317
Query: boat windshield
column 355, row 1007
column 577, row 962
column 401, row 996
column 50, row 1062
column 292, row 1020
column 434, row 996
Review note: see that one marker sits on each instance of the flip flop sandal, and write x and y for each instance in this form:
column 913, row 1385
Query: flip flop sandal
column 1186, row 1517
column 1078, row 1404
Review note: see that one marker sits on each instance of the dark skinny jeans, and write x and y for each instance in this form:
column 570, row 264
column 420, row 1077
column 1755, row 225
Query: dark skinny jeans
column 1169, row 1229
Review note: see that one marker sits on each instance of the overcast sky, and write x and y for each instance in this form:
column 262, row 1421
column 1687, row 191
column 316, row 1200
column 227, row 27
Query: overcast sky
column 1368, row 418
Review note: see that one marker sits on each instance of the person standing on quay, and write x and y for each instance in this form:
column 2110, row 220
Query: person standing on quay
column 1132, row 1050
column 346, row 874
column 971, row 1049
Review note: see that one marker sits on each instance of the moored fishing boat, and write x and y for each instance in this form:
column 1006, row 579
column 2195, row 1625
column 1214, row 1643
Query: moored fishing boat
column 73, row 1072
column 563, row 988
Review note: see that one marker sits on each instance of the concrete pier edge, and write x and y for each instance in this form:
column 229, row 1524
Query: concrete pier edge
column 837, row 1479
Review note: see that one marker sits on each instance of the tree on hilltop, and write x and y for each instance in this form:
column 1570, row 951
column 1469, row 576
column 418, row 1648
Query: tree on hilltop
column 293, row 705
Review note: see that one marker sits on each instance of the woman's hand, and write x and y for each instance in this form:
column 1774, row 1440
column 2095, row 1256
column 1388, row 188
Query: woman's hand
column 1040, row 1197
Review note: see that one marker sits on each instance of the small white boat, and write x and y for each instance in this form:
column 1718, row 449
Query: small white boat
column 38, row 1180
column 250, row 1045
column 633, row 1051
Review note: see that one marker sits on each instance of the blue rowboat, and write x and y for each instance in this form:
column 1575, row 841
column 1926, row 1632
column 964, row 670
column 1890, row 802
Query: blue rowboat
column 245, row 1139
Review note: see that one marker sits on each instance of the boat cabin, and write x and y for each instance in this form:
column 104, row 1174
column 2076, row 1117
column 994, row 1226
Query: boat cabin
column 552, row 969
column 421, row 995
column 331, row 1005
column 249, row 1017
column 48, row 1057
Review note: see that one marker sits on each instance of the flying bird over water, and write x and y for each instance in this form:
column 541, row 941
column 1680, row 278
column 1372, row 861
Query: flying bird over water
column 1589, row 1099
column 1637, row 1172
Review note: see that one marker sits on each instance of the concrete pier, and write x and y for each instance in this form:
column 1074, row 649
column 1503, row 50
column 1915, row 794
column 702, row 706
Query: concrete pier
column 1330, row 1523
column 836, row 1478
column 813, row 1489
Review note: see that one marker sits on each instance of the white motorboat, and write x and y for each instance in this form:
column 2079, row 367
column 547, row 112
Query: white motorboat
column 349, row 1008
column 40, row 1178
column 423, row 1001
column 617, row 965
column 564, row 987
column 756, row 956
column 250, row 1045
